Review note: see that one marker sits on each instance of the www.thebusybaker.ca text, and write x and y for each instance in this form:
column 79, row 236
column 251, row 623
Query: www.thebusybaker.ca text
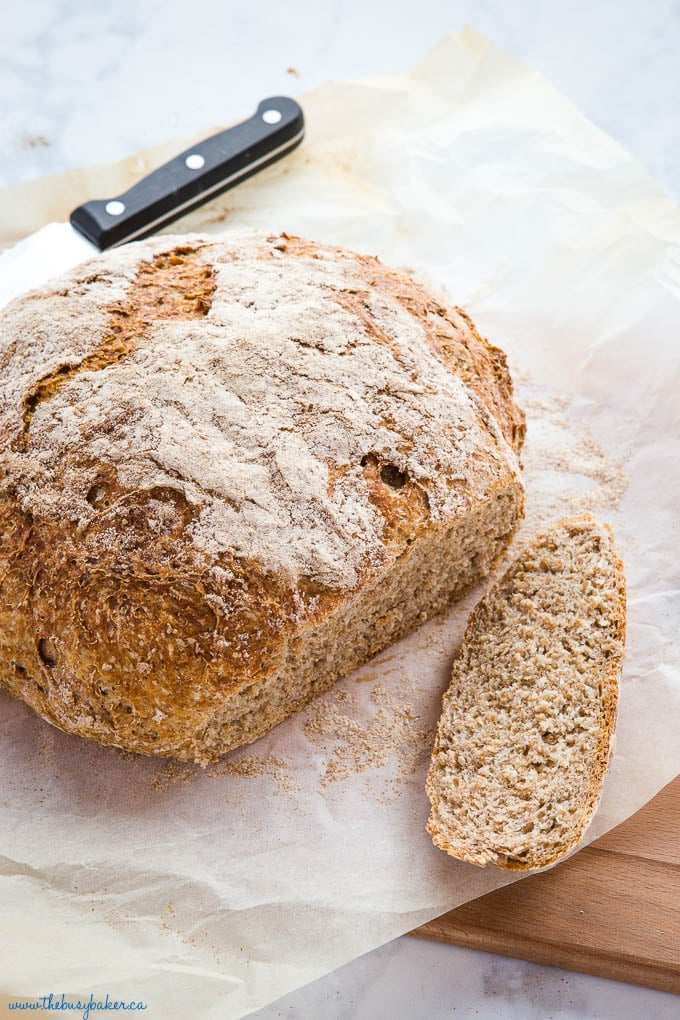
column 56, row 1003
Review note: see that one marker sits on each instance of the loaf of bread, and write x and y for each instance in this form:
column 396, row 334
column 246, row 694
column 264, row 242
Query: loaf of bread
column 528, row 722
column 232, row 470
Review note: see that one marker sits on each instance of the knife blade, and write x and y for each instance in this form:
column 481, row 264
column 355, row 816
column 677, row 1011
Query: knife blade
column 185, row 182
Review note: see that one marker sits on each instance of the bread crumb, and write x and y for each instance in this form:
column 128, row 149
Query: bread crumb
column 566, row 471
column 352, row 746
column 250, row 765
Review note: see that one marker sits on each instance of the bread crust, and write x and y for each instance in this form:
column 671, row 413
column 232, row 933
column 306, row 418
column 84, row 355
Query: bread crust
column 483, row 631
column 130, row 613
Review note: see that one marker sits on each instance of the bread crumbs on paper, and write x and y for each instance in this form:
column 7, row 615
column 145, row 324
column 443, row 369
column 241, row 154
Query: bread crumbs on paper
column 352, row 746
column 250, row 765
column 566, row 470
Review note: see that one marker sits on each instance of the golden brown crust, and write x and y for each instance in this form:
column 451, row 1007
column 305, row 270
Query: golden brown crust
column 117, row 624
column 450, row 332
column 173, row 285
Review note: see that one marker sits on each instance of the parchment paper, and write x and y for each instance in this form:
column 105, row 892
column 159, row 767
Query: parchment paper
column 211, row 893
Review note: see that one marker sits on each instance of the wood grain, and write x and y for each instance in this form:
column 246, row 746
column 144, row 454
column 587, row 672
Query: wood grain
column 613, row 909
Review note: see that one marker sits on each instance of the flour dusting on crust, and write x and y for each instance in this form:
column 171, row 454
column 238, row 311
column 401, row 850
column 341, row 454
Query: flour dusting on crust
column 261, row 413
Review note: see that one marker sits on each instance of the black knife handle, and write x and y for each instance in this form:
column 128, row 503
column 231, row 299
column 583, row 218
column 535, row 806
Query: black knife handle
column 200, row 173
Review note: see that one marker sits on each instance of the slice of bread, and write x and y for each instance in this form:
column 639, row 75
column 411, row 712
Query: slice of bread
column 527, row 725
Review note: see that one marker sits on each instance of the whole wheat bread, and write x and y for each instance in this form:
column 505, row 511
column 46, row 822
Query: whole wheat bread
column 231, row 470
column 525, row 734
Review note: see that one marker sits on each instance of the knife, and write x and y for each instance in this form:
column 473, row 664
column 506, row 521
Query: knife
column 185, row 182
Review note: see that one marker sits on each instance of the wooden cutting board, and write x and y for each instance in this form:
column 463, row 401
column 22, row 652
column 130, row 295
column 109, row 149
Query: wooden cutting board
column 613, row 909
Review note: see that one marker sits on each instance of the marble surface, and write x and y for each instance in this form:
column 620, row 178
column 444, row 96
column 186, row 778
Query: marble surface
column 410, row 979
column 84, row 83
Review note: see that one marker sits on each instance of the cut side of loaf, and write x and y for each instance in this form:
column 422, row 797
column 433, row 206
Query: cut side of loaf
column 527, row 725
column 231, row 470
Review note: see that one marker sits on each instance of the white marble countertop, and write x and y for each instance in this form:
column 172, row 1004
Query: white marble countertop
column 410, row 979
column 84, row 83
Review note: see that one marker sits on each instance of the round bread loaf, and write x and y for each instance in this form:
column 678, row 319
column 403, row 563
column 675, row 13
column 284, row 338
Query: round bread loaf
column 231, row 470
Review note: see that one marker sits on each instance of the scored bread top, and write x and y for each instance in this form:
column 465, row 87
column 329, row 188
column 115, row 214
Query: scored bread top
column 281, row 388
column 527, row 723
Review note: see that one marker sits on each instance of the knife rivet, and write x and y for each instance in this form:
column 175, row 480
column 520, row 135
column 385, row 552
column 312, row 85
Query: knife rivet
column 271, row 116
column 115, row 208
column 195, row 161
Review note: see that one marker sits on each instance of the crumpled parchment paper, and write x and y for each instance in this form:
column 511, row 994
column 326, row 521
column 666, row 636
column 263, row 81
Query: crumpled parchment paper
column 211, row 893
